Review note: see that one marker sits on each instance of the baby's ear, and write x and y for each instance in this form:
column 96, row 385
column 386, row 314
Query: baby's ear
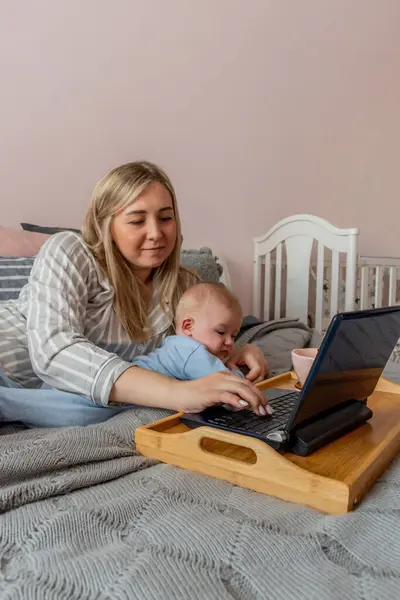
column 187, row 326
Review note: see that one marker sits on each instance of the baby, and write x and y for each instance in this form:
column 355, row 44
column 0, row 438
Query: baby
column 207, row 319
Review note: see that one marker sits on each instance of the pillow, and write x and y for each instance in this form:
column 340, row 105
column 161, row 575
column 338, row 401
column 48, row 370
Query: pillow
column 14, row 274
column 203, row 262
column 14, row 242
column 14, row 271
column 47, row 230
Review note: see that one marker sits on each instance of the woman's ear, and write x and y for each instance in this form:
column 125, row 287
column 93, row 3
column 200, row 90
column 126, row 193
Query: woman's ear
column 187, row 326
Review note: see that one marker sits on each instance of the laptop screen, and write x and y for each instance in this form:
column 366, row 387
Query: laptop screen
column 351, row 359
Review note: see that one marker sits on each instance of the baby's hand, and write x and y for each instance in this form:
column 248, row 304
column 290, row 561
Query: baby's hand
column 251, row 357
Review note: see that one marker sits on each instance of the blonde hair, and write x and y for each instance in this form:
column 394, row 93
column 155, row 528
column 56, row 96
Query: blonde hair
column 114, row 192
column 197, row 296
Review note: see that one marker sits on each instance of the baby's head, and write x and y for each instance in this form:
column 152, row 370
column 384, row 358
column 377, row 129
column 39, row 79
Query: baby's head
column 210, row 314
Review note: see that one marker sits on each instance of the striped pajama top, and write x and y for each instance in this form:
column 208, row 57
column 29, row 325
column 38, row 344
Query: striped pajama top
column 63, row 329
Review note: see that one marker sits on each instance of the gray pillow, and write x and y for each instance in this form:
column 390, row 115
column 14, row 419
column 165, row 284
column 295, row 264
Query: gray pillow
column 44, row 229
column 14, row 274
column 203, row 262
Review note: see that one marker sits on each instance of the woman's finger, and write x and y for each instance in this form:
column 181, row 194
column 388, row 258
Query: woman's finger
column 248, row 393
column 233, row 400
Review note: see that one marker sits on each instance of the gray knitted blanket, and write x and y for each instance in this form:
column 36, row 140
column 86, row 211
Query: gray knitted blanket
column 84, row 517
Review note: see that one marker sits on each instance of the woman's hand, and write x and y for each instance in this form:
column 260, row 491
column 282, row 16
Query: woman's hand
column 219, row 388
column 251, row 356
column 145, row 388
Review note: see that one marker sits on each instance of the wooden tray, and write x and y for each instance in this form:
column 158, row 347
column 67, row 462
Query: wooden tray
column 334, row 479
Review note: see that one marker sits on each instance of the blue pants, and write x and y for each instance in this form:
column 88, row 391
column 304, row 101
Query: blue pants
column 49, row 407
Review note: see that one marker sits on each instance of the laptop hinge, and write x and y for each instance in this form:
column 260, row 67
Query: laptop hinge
column 307, row 438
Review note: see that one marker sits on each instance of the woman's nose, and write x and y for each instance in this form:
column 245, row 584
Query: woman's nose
column 154, row 231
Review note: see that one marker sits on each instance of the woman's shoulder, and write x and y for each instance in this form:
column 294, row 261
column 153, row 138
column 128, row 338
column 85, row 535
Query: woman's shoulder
column 65, row 253
column 66, row 243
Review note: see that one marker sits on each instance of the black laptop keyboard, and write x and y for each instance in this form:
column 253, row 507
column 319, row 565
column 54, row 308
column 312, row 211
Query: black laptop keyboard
column 248, row 422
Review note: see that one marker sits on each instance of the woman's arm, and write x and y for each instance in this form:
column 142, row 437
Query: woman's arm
column 146, row 388
column 60, row 353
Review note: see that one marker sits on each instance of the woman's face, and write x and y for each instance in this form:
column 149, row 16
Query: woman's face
column 145, row 231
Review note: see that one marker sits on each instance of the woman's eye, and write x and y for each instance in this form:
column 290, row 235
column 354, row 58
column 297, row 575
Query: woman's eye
column 164, row 219
column 136, row 222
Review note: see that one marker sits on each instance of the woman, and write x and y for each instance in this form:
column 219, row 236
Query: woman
column 94, row 302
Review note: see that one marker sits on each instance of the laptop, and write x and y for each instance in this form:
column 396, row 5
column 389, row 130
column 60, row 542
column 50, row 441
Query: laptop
column 333, row 400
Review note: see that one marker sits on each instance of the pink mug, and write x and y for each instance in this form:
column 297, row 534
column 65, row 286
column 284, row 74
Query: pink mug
column 302, row 359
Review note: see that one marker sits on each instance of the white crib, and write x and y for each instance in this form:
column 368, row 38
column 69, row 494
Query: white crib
column 379, row 281
column 338, row 279
column 377, row 284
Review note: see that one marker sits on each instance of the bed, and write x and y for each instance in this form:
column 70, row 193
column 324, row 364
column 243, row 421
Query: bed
column 83, row 516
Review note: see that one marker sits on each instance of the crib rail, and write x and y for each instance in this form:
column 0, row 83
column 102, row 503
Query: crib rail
column 377, row 285
column 379, row 281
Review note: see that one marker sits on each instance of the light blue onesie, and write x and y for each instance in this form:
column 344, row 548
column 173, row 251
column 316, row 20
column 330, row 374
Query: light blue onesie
column 182, row 358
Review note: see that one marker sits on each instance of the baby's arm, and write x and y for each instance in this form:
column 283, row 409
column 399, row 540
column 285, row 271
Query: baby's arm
column 201, row 363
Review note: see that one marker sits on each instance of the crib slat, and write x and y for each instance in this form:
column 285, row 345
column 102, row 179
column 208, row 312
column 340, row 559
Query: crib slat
column 278, row 281
column 392, row 285
column 378, row 286
column 364, row 287
column 334, row 282
column 342, row 279
column 257, row 286
column 267, row 286
column 319, row 300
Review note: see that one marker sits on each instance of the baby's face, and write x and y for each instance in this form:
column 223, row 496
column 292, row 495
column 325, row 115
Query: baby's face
column 216, row 327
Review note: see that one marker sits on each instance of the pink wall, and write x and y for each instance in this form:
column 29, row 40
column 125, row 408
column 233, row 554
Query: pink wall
column 257, row 109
